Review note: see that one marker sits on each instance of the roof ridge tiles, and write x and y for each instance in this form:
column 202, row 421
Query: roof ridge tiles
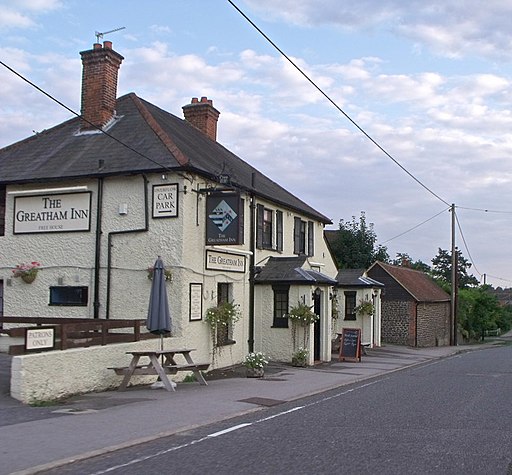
column 157, row 129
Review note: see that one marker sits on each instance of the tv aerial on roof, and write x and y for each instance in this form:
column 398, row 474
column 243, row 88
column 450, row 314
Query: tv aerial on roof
column 99, row 36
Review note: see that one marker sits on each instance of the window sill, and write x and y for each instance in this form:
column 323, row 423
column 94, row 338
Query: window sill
column 226, row 343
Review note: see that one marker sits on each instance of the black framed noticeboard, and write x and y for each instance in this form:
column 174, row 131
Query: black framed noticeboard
column 350, row 344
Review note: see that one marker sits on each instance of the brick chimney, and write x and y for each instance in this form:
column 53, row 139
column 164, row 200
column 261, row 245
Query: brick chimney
column 202, row 115
column 99, row 84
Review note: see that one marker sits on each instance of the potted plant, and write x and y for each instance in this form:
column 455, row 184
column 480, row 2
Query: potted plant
column 365, row 307
column 255, row 364
column 300, row 357
column 167, row 273
column 27, row 272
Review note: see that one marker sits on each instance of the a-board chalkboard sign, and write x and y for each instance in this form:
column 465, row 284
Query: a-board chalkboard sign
column 350, row 344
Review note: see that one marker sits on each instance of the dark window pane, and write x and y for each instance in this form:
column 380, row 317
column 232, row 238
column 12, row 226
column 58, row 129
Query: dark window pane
column 281, row 306
column 69, row 296
column 350, row 305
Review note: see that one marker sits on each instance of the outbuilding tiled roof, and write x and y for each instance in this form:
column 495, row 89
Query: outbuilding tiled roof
column 289, row 270
column 149, row 139
column 419, row 285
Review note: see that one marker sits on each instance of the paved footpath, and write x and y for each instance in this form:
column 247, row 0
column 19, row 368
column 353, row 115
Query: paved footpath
column 36, row 438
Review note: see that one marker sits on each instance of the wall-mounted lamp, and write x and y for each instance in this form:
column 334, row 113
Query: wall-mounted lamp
column 60, row 281
column 123, row 209
column 164, row 176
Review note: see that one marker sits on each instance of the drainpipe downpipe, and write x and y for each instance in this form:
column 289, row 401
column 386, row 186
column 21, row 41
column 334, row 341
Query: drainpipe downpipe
column 97, row 256
column 126, row 231
column 252, row 260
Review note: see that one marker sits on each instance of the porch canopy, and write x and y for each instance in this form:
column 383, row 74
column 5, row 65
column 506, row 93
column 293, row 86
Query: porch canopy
column 290, row 270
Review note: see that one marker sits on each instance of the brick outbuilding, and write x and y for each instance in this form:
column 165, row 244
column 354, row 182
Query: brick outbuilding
column 415, row 310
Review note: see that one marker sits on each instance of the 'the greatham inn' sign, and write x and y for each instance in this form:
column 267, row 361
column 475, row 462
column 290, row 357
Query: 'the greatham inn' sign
column 52, row 213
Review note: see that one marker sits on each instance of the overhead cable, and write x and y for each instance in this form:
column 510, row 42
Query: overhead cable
column 319, row 89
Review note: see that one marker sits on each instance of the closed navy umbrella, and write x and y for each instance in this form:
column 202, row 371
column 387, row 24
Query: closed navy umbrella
column 159, row 317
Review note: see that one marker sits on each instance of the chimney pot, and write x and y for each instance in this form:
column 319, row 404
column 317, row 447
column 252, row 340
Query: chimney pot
column 203, row 116
column 97, row 46
column 107, row 44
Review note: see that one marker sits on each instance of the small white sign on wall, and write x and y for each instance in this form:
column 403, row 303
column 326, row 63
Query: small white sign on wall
column 40, row 338
column 165, row 201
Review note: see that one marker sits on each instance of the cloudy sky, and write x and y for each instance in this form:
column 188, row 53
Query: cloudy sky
column 429, row 82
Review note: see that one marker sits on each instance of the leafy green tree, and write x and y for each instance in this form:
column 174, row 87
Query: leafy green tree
column 478, row 310
column 404, row 260
column 355, row 246
column 442, row 269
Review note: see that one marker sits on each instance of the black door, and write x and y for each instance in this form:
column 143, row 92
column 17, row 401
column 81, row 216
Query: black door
column 317, row 309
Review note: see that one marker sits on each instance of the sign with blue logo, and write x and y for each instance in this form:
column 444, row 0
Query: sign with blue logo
column 223, row 218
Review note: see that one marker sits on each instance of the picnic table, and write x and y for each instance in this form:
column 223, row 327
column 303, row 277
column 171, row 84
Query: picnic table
column 161, row 363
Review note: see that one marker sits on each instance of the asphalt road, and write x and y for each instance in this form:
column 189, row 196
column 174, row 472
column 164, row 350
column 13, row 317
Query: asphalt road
column 451, row 416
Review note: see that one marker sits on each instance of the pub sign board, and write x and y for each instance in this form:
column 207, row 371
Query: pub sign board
column 52, row 213
column 223, row 211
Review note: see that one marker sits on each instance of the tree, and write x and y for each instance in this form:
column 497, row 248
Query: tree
column 355, row 244
column 442, row 269
column 479, row 310
column 404, row 260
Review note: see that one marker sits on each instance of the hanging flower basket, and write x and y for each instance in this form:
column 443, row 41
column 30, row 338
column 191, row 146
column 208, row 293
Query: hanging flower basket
column 301, row 314
column 27, row 272
column 365, row 307
column 167, row 273
column 29, row 278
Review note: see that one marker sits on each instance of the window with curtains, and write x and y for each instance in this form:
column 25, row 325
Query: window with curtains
column 303, row 237
column 269, row 228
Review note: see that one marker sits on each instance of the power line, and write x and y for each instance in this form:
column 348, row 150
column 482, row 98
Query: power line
column 417, row 226
column 466, row 244
column 484, row 210
column 319, row 89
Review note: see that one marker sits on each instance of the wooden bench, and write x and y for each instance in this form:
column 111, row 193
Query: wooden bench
column 149, row 370
column 161, row 363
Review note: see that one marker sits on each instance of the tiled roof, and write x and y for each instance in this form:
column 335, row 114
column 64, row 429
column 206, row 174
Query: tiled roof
column 355, row 278
column 288, row 270
column 154, row 141
column 421, row 287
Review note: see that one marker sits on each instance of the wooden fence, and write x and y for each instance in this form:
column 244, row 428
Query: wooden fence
column 75, row 332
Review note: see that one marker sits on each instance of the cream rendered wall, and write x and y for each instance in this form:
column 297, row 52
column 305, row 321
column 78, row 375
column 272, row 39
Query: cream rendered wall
column 180, row 241
column 276, row 343
column 59, row 374
column 370, row 325
column 66, row 255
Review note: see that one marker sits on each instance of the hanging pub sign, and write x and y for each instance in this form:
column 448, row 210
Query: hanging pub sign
column 52, row 213
column 223, row 216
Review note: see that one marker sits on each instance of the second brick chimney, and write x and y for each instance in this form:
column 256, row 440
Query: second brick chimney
column 202, row 115
column 99, row 84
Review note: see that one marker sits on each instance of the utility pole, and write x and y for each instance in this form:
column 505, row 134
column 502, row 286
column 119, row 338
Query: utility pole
column 453, row 315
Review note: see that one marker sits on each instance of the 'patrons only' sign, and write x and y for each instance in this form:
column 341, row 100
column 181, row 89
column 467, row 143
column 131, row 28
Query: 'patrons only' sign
column 52, row 213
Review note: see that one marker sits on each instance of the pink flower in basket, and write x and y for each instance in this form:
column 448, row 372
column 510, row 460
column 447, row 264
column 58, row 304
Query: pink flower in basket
column 27, row 272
